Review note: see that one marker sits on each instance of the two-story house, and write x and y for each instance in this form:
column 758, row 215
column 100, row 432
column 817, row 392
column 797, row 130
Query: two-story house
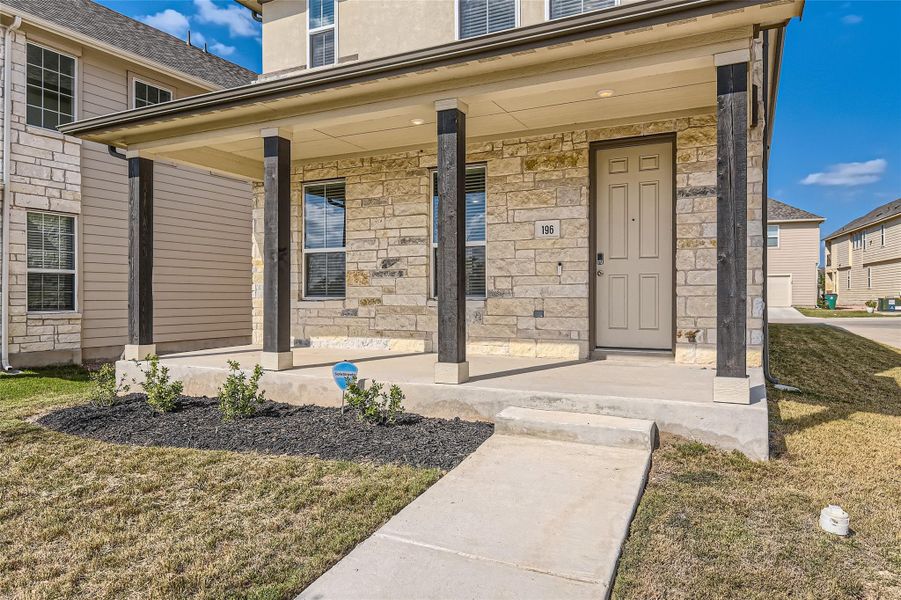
column 792, row 255
column 544, row 178
column 65, row 250
column 863, row 258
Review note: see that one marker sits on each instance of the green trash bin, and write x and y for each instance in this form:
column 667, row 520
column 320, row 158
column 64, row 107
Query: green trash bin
column 830, row 301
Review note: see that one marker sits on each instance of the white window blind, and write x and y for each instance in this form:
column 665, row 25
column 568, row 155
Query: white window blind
column 568, row 8
column 323, row 239
column 50, row 248
column 478, row 17
column 50, row 87
column 322, row 33
column 475, row 231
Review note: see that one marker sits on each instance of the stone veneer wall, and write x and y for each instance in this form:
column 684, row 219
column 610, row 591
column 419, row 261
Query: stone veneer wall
column 45, row 175
column 530, row 178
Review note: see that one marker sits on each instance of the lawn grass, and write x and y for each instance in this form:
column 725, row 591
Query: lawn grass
column 825, row 313
column 86, row 519
column 716, row 525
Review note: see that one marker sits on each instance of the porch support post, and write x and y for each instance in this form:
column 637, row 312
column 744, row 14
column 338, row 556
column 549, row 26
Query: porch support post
column 140, row 258
column 276, row 252
column 731, row 383
column 452, row 366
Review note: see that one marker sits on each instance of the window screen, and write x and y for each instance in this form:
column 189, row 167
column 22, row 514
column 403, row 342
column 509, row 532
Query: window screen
column 568, row 8
column 478, row 17
column 50, row 88
column 50, row 247
column 475, row 231
column 323, row 240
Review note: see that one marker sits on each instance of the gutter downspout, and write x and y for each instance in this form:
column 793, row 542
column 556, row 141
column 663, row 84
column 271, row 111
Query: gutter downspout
column 7, row 145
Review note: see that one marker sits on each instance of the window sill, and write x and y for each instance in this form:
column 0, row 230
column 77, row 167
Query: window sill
column 50, row 133
column 53, row 314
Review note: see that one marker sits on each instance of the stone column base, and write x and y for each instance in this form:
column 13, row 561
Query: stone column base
column 732, row 390
column 138, row 351
column 451, row 373
column 276, row 361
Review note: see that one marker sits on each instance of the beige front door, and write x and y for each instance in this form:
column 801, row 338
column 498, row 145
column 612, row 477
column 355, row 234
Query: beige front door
column 634, row 262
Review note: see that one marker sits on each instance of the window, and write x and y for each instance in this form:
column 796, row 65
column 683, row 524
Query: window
column 475, row 231
column 322, row 33
column 772, row 236
column 478, row 17
column 147, row 95
column 849, row 280
column 858, row 240
column 51, row 87
column 51, row 262
column 869, row 277
column 882, row 234
column 558, row 9
column 323, row 239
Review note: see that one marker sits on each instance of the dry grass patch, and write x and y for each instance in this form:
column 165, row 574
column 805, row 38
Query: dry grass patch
column 825, row 313
column 716, row 525
column 85, row 519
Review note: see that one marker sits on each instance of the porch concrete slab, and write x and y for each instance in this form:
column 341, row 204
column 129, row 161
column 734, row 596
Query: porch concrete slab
column 678, row 398
column 521, row 517
column 598, row 430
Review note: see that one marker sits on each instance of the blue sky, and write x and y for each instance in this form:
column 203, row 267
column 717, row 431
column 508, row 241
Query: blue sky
column 837, row 137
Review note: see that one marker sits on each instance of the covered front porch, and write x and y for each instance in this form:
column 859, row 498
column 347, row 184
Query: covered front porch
column 678, row 398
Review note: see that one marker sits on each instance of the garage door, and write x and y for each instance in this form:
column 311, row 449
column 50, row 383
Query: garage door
column 779, row 290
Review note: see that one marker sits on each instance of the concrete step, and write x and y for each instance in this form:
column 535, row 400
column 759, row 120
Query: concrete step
column 582, row 428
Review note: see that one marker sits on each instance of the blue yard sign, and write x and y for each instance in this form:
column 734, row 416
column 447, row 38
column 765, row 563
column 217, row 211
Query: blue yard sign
column 344, row 373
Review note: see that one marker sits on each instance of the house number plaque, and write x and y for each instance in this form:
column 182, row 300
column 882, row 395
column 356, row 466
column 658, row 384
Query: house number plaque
column 547, row 229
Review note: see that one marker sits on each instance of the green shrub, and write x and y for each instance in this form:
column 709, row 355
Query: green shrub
column 106, row 389
column 373, row 405
column 871, row 304
column 239, row 397
column 162, row 394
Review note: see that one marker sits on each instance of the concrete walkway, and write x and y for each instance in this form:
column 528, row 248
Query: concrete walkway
column 885, row 330
column 521, row 518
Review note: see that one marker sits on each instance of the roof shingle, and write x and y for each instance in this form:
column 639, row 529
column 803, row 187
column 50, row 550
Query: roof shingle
column 887, row 210
column 108, row 26
column 780, row 211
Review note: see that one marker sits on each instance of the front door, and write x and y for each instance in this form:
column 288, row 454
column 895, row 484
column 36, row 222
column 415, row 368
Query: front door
column 634, row 262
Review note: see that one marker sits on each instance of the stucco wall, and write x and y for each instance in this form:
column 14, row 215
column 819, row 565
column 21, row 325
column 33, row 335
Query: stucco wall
column 530, row 178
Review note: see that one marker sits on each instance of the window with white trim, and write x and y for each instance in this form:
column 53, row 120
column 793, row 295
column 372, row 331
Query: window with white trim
column 323, row 239
column 50, row 91
column 772, row 236
column 50, row 248
column 146, row 94
column 475, row 231
column 869, row 277
column 557, row 9
column 857, row 240
column 480, row 17
column 322, row 33
column 882, row 234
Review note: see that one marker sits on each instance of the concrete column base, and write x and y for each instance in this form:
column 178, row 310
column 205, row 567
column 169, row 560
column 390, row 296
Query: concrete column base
column 138, row 351
column 732, row 390
column 451, row 373
column 276, row 361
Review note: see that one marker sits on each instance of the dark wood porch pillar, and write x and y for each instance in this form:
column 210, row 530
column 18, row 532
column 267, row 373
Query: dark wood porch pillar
column 276, row 252
column 140, row 258
column 451, row 268
column 732, row 233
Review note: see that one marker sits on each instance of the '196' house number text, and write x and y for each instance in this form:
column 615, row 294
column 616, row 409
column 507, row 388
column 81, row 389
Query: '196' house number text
column 547, row 229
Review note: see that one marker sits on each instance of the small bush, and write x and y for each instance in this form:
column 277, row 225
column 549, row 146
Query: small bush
column 373, row 405
column 871, row 304
column 239, row 397
column 162, row 394
column 106, row 389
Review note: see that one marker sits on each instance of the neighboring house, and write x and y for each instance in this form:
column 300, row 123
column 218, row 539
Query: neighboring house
column 522, row 177
column 863, row 258
column 793, row 255
column 67, row 200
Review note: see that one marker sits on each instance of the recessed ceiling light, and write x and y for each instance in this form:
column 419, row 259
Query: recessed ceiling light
column 605, row 93
column 417, row 121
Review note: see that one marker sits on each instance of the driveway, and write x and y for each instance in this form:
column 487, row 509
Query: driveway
column 885, row 330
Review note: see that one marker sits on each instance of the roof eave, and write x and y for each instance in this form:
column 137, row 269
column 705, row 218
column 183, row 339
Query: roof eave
column 843, row 231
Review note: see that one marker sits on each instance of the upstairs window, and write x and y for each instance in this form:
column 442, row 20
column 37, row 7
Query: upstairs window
column 858, row 240
column 322, row 33
column 147, row 95
column 479, row 17
column 557, row 9
column 323, row 239
column 772, row 236
column 51, row 87
column 50, row 247
column 475, row 232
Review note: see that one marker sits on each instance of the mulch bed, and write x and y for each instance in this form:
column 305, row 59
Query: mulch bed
column 276, row 429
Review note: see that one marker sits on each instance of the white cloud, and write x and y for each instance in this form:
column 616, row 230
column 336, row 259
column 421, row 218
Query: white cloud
column 852, row 19
column 849, row 174
column 171, row 21
column 221, row 49
column 236, row 18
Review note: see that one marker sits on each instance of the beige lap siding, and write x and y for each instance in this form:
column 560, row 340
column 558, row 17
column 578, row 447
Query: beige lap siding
column 528, row 179
column 201, row 257
column 798, row 255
